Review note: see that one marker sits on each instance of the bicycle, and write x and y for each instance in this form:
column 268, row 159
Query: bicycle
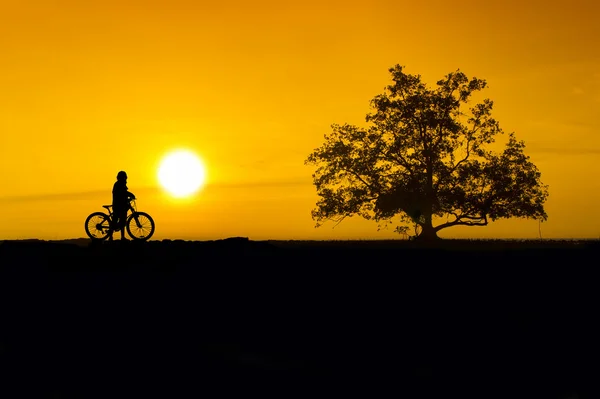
column 139, row 225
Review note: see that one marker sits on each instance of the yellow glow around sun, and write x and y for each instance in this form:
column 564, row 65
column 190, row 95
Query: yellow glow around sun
column 181, row 173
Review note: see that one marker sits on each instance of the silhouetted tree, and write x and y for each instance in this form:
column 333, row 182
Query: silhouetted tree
column 425, row 159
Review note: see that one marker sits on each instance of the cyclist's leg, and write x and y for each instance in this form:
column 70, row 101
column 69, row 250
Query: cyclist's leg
column 111, row 225
column 115, row 220
column 122, row 220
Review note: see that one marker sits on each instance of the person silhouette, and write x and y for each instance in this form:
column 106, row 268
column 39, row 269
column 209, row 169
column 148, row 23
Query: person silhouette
column 120, row 203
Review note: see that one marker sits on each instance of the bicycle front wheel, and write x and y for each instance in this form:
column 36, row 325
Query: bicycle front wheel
column 97, row 226
column 140, row 226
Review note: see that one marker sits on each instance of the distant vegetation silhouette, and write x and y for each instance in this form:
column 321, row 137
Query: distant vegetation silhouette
column 424, row 158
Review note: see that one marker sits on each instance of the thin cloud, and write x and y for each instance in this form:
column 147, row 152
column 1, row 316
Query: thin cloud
column 266, row 183
column 87, row 195
column 577, row 91
column 564, row 151
column 52, row 197
column 81, row 195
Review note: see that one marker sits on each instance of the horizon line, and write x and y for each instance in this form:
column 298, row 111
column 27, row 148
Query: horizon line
column 320, row 240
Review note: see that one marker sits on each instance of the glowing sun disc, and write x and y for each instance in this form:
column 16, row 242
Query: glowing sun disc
column 181, row 173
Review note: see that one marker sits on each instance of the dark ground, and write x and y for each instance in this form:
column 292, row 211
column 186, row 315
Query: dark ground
column 227, row 318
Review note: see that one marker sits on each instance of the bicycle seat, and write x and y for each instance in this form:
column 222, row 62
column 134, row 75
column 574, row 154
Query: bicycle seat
column 107, row 206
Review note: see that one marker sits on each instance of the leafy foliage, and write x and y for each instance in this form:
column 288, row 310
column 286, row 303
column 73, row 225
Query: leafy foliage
column 422, row 157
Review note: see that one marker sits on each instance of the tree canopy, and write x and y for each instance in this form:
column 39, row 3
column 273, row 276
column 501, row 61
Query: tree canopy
column 425, row 158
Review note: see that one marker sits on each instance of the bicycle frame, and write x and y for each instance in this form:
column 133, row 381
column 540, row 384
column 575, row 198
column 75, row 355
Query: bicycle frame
column 131, row 213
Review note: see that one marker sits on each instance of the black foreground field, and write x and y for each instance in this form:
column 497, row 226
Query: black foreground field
column 234, row 317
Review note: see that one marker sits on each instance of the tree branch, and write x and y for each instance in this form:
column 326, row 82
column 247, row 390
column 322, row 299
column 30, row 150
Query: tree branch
column 468, row 152
column 464, row 220
column 353, row 173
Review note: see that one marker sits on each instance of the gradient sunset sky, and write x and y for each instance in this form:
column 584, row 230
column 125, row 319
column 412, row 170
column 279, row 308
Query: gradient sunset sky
column 91, row 88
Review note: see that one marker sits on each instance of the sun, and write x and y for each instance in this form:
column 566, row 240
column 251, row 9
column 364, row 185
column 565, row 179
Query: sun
column 181, row 173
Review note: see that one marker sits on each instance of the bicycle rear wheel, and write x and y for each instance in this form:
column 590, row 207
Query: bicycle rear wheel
column 140, row 226
column 97, row 226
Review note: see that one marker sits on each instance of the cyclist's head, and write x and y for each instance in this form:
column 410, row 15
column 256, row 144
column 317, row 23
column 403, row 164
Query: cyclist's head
column 122, row 175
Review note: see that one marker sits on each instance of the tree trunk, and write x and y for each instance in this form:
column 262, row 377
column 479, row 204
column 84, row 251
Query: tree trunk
column 428, row 233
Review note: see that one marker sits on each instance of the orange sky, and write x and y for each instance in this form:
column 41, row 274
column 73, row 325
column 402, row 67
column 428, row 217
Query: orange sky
column 90, row 88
